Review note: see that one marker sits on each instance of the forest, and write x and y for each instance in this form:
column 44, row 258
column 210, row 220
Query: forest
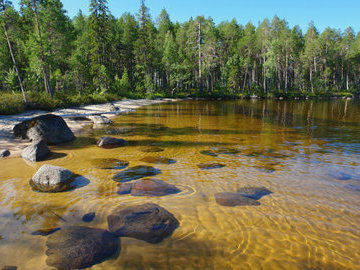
column 45, row 55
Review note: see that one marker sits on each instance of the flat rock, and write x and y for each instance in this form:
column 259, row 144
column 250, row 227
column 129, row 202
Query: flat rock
column 51, row 178
column 100, row 120
column 4, row 153
column 37, row 151
column 234, row 199
column 110, row 142
column 255, row 193
column 265, row 169
column 211, row 153
column 158, row 160
column 135, row 173
column 148, row 222
column 152, row 149
column 109, row 163
column 210, row 166
column 77, row 247
column 50, row 128
column 226, row 151
column 45, row 232
column 339, row 175
column 148, row 187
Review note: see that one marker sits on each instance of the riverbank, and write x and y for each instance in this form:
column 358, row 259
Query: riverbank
column 74, row 117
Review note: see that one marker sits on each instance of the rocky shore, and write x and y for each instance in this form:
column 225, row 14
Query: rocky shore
column 75, row 118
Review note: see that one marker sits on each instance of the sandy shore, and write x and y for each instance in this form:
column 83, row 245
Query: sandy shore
column 110, row 110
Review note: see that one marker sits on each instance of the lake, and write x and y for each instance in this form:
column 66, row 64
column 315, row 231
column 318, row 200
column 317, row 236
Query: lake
column 307, row 153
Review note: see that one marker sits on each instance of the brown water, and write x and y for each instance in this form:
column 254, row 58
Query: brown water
column 295, row 149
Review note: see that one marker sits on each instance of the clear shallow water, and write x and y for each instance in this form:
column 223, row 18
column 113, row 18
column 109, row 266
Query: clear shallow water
column 295, row 149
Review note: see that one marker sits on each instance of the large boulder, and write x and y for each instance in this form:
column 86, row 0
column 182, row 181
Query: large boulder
column 148, row 222
column 110, row 142
column 51, row 178
column 50, row 128
column 38, row 151
column 148, row 187
column 77, row 247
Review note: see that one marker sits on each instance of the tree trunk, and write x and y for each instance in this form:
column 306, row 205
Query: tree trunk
column 43, row 57
column 311, row 80
column 200, row 62
column 15, row 65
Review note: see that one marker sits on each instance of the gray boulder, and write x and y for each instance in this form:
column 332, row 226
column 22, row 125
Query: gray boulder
column 4, row 153
column 51, row 178
column 77, row 247
column 110, row 142
column 148, row 222
column 50, row 128
column 38, row 151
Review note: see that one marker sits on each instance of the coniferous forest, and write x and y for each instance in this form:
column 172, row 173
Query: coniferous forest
column 45, row 55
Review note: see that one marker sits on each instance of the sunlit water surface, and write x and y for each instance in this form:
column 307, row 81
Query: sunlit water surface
column 295, row 149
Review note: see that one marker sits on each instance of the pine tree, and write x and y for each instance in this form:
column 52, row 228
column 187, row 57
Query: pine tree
column 99, row 28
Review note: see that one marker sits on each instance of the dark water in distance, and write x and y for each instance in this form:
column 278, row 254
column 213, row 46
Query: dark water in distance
column 305, row 152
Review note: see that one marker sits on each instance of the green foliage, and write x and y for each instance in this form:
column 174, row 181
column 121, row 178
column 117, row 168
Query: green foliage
column 96, row 58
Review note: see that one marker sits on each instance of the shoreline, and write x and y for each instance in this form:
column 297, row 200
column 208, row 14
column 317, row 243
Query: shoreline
column 112, row 109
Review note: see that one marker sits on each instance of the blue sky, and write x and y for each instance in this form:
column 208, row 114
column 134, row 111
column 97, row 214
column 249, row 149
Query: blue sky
column 334, row 13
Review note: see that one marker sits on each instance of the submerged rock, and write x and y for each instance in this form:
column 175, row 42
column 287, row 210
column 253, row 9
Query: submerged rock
column 4, row 153
column 209, row 166
column 234, row 199
column 265, row 169
column 45, row 232
column 124, row 188
column 255, row 193
column 109, row 163
column 227, row 151
column 152, row 149
column 339, row 175
column 50, row 128
column 109, row 142
column 9, row 267
column 135, row 173
column 80, row 247
column 88, row 217
column 37, row 151
column 121, row 130
column 243, row 196
column 51, row 178
column 158, row 160
column 211, row 153
column 148, row 222
column 148, row 187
